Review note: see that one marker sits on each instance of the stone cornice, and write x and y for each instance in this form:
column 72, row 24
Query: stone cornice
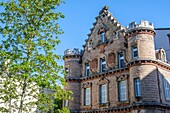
column 130, row 64
column 139, row 31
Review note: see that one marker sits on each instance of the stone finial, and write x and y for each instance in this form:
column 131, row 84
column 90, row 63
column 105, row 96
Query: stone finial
column 143, row 24
column 105, row 9
column 75, row 51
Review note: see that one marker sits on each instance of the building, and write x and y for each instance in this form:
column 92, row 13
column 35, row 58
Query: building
column 119, row 70
column 162, row 40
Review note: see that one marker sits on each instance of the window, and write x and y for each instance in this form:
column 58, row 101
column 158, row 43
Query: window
column 65, row 103
column 137, row 87
column 87, row 69
column 122, row 91
column 134, row 52
column 87, row 96
column 102, row 36
column 167, row 89
column 121, row 60
column 102, row 65
column 103, row 94
column 67, row 71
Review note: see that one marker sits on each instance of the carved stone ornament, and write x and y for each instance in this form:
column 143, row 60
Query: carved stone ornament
column 94, row 65
column 103, row 80
column 87, row 84
column 111, row 59
column 122, row 77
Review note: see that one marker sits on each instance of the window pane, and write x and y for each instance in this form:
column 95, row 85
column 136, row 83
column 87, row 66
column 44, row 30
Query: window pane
column 87, row 95
column 102, row 65
column 134, row 52
column 122, row 90
column 87, row 68
column 137, row 87
column 103, row 93
column 102, row 35
column 121, row 60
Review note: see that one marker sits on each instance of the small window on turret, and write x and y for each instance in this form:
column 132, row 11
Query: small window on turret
column 67, row 71
column 134, row 52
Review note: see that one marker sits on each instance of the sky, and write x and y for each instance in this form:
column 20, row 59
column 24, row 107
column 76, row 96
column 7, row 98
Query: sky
column 80, row 16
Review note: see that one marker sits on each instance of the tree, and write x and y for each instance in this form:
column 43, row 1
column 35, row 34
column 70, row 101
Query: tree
column 29, row 72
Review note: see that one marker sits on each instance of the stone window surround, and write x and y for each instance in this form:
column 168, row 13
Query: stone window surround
column 122, row 78
column 86, row 85
column 134, row 45
column 87, row 69
column 137, row 96
column 100, row 31
column 103, row 81
column 101, row 64
column 84, row 68
column 118, row 53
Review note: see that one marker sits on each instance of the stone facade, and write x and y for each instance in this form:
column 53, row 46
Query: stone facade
column 129, row 55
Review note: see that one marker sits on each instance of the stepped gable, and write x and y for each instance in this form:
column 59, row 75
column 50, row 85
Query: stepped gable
column 104, row 20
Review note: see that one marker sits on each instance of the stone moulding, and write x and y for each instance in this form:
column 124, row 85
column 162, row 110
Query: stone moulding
column 110, row 73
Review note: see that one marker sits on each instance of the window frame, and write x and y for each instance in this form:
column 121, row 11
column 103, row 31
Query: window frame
column 87, row 96
column 87, row 69
column 103, row 94
column 137, row 87
column 120, row 83
column 121, row 58
column 134, row 49
column 102, row 65
column 102, row 37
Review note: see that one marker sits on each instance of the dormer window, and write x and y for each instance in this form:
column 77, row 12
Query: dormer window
column 102, row 36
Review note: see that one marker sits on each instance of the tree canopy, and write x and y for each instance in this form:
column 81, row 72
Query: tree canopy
column 29, row 72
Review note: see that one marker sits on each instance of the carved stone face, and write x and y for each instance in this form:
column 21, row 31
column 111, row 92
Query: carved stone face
column 94, row 65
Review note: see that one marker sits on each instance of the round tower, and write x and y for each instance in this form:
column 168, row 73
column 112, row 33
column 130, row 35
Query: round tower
column 140, row 39
column 72, row 63
column 73, row 68
column 141, row 52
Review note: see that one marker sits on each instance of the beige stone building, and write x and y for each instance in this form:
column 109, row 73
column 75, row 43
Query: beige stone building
column 119, row 70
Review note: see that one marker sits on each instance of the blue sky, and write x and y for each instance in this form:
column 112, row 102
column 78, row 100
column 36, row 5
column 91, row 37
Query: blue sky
column 80, row 14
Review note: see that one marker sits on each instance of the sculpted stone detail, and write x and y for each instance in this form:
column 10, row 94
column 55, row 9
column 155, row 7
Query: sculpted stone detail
column 94, row 65
column 87, row 84
column 103, row 80
column 111, row 59
column 122, row 77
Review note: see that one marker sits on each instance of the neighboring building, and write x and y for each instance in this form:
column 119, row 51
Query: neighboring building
column 162, row 40
column 119, row 70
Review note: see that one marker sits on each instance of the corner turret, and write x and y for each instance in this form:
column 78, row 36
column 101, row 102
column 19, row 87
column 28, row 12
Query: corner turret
column 140, row 39
column 72, row 62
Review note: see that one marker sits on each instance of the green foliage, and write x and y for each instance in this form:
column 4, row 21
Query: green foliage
column 27, row 59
